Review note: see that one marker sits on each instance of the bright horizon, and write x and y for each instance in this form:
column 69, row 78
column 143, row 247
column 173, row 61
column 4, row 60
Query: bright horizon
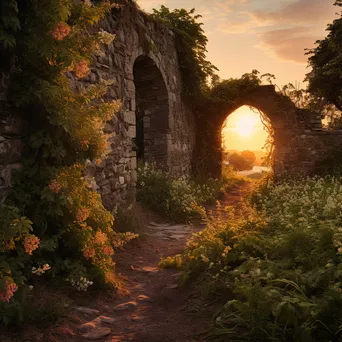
column 243, row 130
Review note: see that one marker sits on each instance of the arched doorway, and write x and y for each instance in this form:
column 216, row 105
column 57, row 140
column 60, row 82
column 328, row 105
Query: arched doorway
column 152, row 112
column 247, row 142
column 282, row 114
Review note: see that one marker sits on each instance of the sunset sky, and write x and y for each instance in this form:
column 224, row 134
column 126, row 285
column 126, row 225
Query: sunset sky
column 267, row 35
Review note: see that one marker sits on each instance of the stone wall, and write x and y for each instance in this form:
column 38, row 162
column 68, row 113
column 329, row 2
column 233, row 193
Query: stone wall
column 154, row 122
column 308, row 152
column 142, row 61
column 299, row 141
column 11, row 144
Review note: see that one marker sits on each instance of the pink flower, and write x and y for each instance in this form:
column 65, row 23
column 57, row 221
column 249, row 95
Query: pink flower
column 55, row 187
column 60, row 31
column 82, row 69
column 31, row 243
column 8, row 292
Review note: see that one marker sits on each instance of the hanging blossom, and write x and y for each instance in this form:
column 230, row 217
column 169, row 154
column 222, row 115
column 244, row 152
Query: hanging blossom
column 7, row 294
column 60, row 31
column 107, row 250
column 88, row 253
column 82, row 214
column 31, row 243
column 82, row 69
column 55, row 187
column 100, row 238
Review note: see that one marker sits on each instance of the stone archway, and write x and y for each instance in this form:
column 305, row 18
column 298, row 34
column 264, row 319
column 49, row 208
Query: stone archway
column 152, row 112
column 289, row 124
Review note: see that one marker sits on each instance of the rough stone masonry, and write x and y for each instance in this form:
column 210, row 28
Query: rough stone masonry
column 155, row 123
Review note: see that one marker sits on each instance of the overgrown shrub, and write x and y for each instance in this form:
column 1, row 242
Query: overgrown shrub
column 177, row 199
column 276, row 265
column 71, row 234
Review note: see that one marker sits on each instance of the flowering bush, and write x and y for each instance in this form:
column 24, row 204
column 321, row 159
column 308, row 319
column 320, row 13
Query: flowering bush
column 275, row 264
column 17, row 248
column 178, row 199
column 86, row 226
column 60, row 31
column 72, row 233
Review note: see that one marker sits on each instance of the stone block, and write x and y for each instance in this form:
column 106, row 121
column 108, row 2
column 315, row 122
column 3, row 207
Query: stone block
column 132, row 131
column 129, row 117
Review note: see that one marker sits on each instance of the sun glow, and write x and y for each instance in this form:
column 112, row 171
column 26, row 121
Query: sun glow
column 243, row 130
column 245, row 126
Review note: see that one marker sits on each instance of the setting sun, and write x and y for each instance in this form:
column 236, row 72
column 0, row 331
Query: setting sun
column 245, row 126
column 243, row 130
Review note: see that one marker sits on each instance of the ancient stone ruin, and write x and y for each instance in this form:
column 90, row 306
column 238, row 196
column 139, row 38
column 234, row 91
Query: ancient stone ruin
column 155, row 124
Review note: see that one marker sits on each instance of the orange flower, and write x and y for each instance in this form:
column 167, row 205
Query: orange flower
column 31, row 243
column 55, row 187
column 107, row 250
column 82, row 214
column 100, row 238
column 88, row 253
column 60, row 31
column 8, row 292
column 82, row 69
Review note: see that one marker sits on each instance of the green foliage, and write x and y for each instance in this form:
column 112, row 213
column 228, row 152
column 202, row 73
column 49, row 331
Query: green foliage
column 231, row 179
column 177, row 199
column 241, row 162
column 227, row 93
column 9, row 24
column 71, row 234
column 275, row 266
column 191, row 47
column 249, row 156
column 325, row 78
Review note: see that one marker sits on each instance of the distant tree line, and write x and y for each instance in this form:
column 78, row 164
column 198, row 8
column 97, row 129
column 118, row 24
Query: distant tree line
column 242, row 161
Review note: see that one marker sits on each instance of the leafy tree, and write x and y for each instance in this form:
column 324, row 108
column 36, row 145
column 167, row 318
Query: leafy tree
column 249, row 156
column 239, row 162
column 325, row 79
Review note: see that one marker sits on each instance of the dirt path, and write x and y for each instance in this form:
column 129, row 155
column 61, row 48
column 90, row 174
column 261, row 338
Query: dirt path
column 234, row 198
column 155, row 308
column 152, row 307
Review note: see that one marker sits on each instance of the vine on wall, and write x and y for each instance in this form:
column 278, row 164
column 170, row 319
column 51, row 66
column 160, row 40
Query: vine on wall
column 69, row 233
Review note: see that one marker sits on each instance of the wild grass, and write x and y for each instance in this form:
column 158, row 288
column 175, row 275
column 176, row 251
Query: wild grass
column 179, row 200
column 275, row 264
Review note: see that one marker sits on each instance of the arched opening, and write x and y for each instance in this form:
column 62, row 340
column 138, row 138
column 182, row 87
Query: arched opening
column 247, row 142
column 152, row 112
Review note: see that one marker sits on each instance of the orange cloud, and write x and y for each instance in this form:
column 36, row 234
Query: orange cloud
column 289, row 44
